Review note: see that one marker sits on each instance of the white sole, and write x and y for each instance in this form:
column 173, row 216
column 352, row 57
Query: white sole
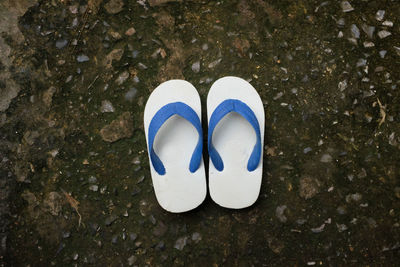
column 234, row 138
column 178, row 190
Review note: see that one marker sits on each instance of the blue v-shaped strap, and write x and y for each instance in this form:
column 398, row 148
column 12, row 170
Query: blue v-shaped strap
column 227, row 106
column 162, row 115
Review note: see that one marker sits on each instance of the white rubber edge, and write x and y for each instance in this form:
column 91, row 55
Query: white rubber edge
column 178, row 190
column 234, row 138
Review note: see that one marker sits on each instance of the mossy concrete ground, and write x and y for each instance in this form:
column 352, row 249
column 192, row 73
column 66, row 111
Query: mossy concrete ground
column 328, row 76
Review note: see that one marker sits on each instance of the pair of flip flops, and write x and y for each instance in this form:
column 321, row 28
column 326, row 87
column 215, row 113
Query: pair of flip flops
column 172, row 121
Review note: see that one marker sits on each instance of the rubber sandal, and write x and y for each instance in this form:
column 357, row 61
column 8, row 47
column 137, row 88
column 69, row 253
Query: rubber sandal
column 235, row 142
column 172, row 122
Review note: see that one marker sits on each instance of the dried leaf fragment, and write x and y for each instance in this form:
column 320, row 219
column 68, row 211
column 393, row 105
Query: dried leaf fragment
column 382, row 110
column 74, row 204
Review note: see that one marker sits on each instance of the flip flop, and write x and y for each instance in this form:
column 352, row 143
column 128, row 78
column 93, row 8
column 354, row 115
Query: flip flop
column 235, row 142
column 172, row 122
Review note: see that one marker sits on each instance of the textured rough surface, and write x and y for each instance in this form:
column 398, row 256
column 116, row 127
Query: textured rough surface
column 75, row 183
column 122, row 127
column 309, row 187
column 9, row 13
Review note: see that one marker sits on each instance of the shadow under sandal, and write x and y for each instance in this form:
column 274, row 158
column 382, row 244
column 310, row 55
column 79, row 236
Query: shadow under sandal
column 172, row 122
column 235, row 142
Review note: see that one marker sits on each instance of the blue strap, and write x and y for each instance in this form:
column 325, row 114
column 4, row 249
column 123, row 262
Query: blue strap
column 227, row 106
column 167, row 111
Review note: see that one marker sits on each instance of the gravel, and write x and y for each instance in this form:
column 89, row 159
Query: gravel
column 383, row 34
column 196, row 67
column 380, row 14
column 280, row 213
column 346, row 6
column 326, row 158
column 106, row 106
column 82, row 58
column 61, row 43
column 109, row 220
column 181, row 243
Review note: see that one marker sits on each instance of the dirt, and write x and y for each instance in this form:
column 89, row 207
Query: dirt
column 75, row 184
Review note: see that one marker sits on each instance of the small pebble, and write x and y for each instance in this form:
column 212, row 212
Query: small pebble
column 92, row 179
column 383, row 34
column 110, row 219
column 66, row 234
column 61, row 43
column 353, row 197
column 346, row 6
column 122, row 78
column 130, row 95
column 277, row 96
column 341, row 210
column 355, row 32
column 82, row 58
column 368, row 44
column 74, row 22
column 214, row 63
column 196, row 237
column 142, row 66
column 94, row 188
column 379, row 15
column 361, row 62
column 75, row 256
column 140, row 179
column 73, row 9
column 353, row 41
column 342, row 85
column 318, row 229
column 301, row 221
column 181, row 243
column 279, row 213
column 135, row 53
column 136, row 160
column 131, row 260
column 341, row 227
column 369, row 30
column 326, row 158
column 106, row 106
column 131, row 31
column 387, row 23
column 152, row 219
column 196, row 67
column 362, row 173
column 341, row 22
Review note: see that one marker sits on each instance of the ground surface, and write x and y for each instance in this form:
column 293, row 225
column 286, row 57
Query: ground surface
column 75, row 181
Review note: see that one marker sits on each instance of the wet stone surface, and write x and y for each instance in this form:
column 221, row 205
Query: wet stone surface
column 75, row 185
